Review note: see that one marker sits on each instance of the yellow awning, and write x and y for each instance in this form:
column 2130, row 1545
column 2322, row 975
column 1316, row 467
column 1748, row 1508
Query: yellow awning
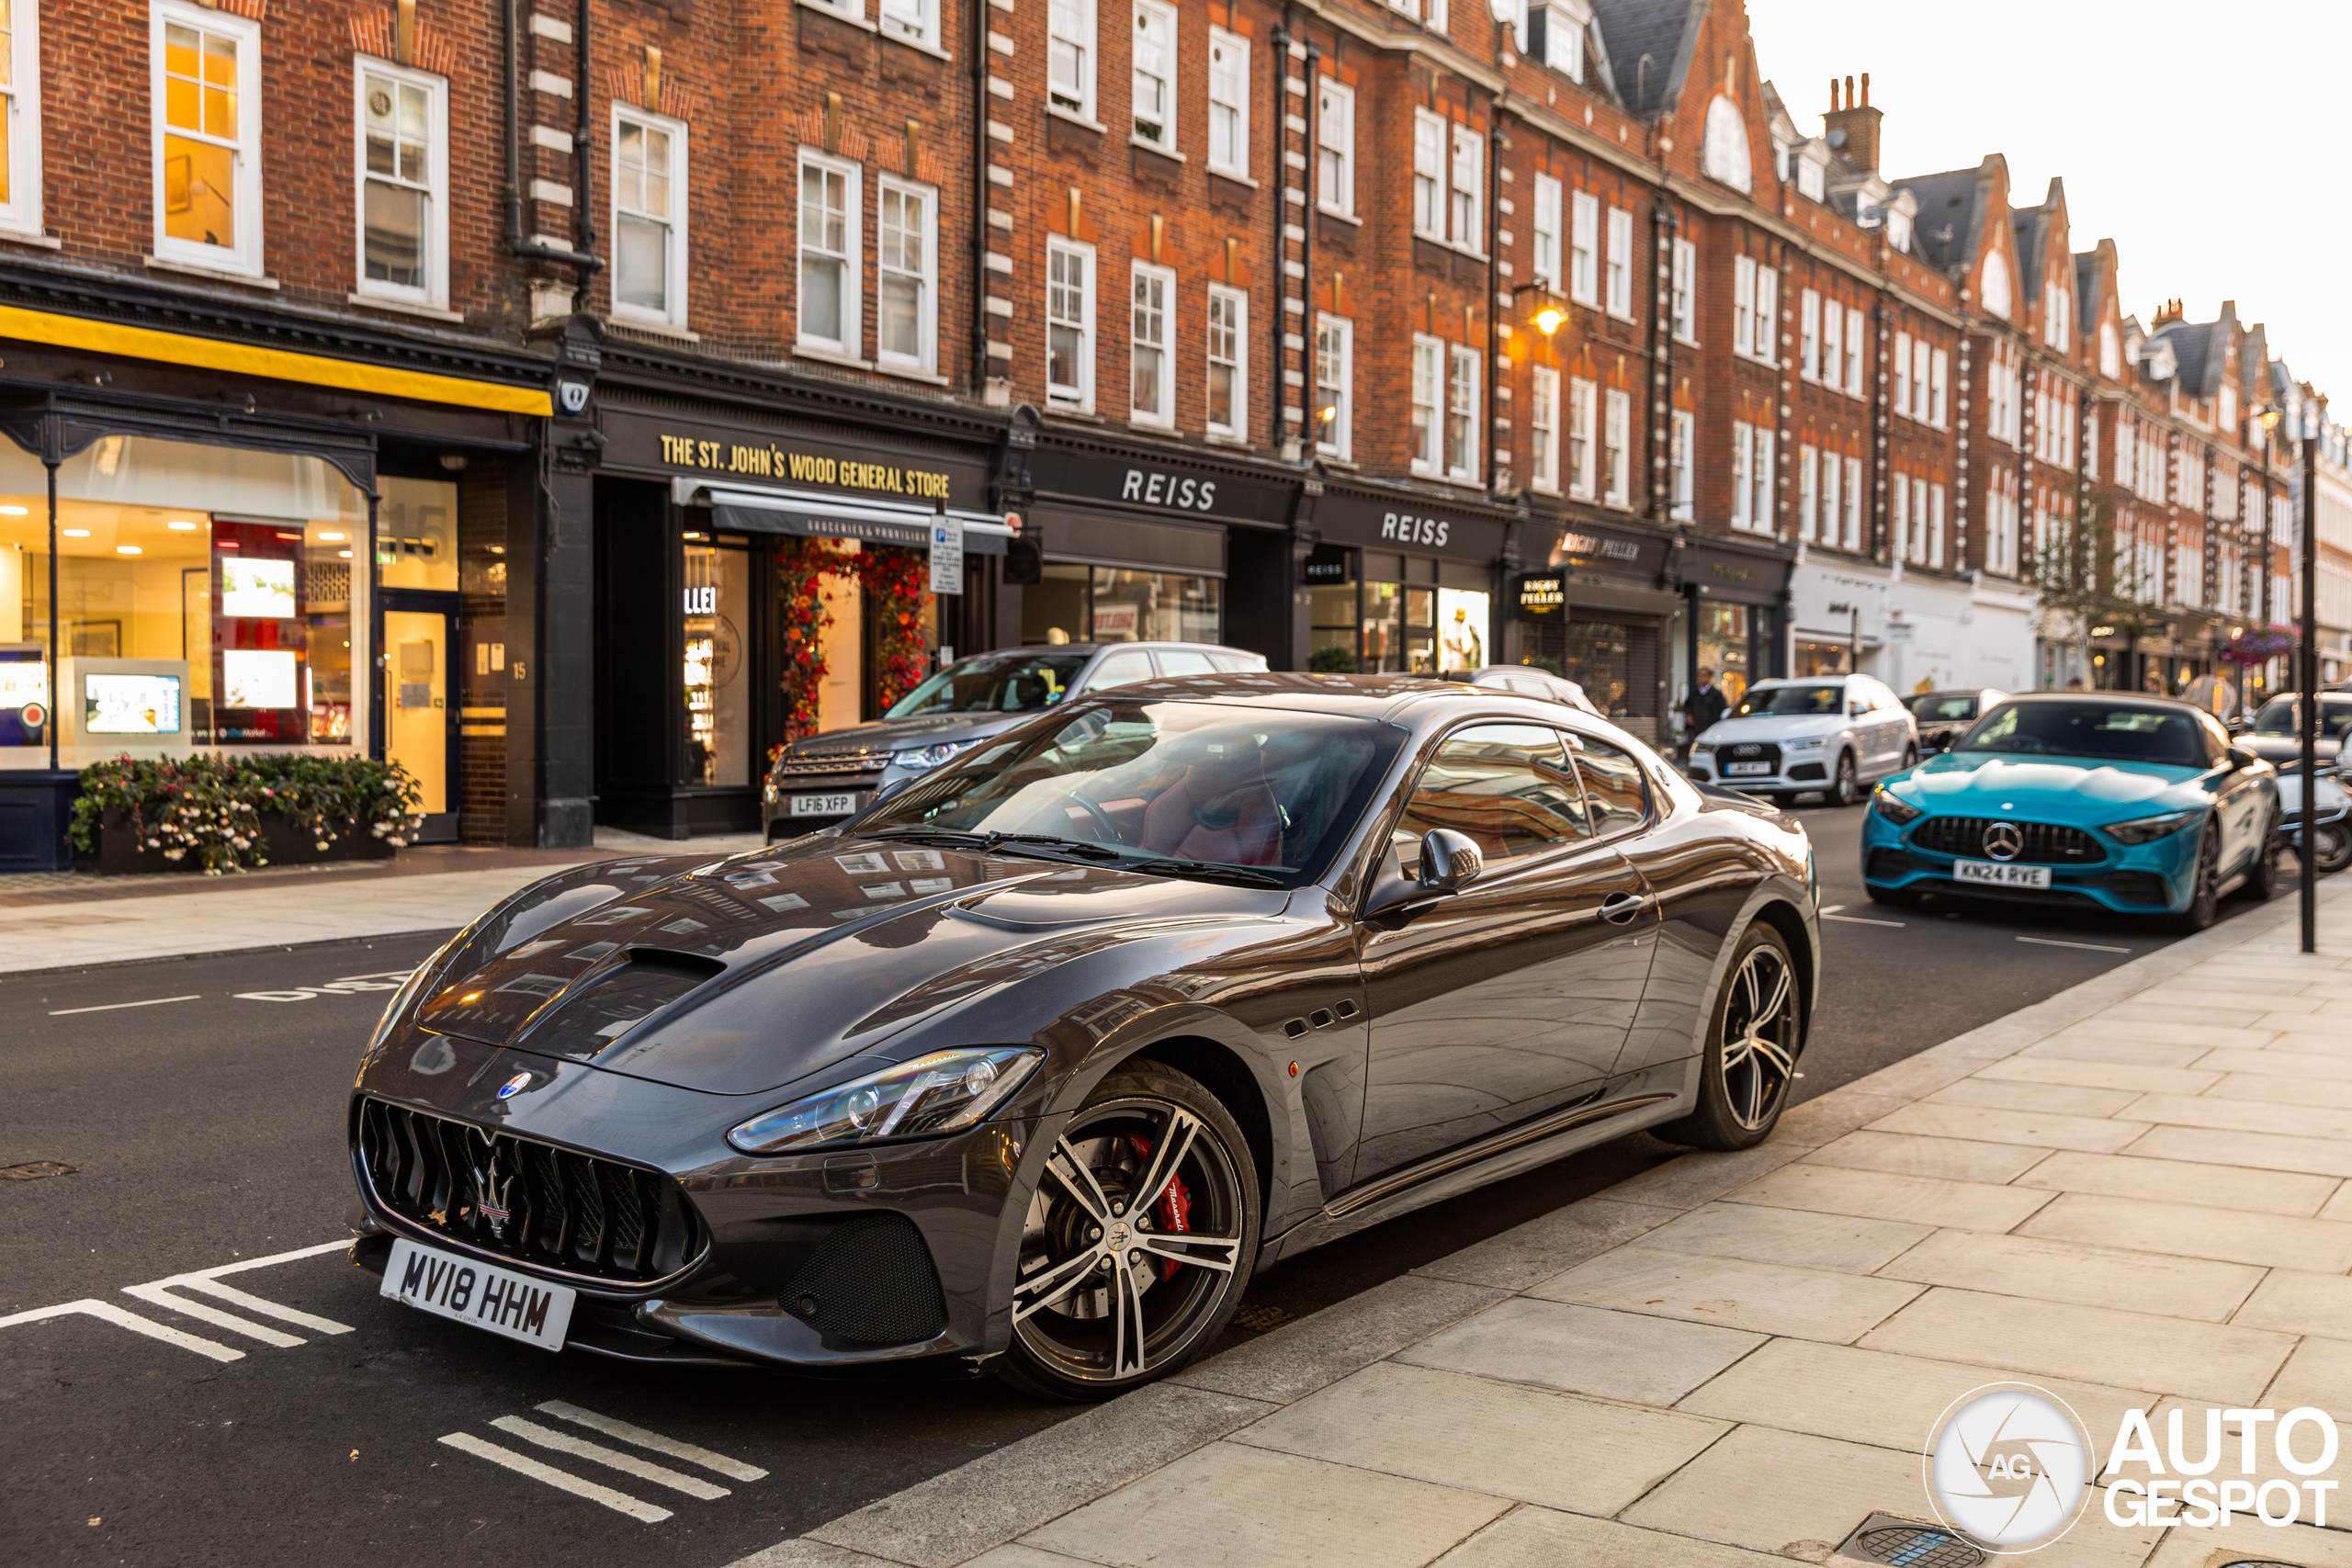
column 277, row 364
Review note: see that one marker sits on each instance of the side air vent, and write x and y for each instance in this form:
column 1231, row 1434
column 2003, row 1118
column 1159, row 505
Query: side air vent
column 871, row 1282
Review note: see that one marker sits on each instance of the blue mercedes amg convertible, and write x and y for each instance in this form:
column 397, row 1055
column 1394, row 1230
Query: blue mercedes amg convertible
column 2138, row 805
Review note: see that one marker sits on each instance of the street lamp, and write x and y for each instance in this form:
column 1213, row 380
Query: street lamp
column 1546, row 312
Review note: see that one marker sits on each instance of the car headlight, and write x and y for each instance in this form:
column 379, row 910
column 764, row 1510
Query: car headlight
column 924, row 757
column 1815, row 744
column 1703, row 749
column 1883, row 802
column 2148, row 830
column 944, row 1092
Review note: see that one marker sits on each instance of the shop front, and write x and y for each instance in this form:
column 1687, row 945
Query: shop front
column 1735, row 618
column 1599, row 613
column 758, row 580
column 1150, row 545
column 1399, row 582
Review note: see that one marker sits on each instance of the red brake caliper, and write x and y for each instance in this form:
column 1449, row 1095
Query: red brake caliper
column 1175, row 1205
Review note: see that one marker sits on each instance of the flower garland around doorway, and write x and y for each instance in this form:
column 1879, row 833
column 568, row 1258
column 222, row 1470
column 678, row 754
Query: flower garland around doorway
column 802, row 565
column 897, row 583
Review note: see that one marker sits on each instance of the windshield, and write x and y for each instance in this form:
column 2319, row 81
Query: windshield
column 1275, row 792
column 2091, row 729
column 2277, row 717
column 1937, row 707
column 1791, row 699
column 996, row 683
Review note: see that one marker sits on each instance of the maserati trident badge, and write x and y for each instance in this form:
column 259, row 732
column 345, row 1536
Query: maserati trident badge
column 489, row 1199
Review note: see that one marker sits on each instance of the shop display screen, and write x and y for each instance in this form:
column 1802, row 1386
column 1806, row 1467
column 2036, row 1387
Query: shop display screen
column 259, row 678
column 259, row 589
column 1461, row 630
column 131, row 705
column 23, row 681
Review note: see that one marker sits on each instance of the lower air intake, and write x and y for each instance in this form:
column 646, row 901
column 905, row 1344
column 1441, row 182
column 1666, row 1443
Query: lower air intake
column 870, row 1281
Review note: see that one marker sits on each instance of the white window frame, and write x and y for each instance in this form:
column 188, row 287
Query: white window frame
column 1544, row 429
column 1584, row 246
column 1140, row 275
column 1230, row 99
column 926, row 359
column 1919, row 361
column 1465, row 207
column 1429, row 402
column 1931, row 551
column 1742, row 305
column 1547, row 231
column 1833, row 501
column 1939, row 379
column 1682, row 479
column 1902, row 362
column 1898, row 519
column 1619, row 268
column 1743, row 460
column 1616, row 448
column 1683, row 291
column 1853, row 466
column 1237, row 303
column 1584, row 436
column 1766, row 514
column 1337, row 438
column 893, row 23
column 20, row 101
column 1461, row 383
column 1808, row 493
column 1081, row 394
column 1148, row 12
column 1809, row 336
column 1833, row 345
column 674, row 270
column 243, row 255
column 1768, row 313
column 1854, row 346
column 1429, row 175
column 853, row 255
column 853, row 9
column 435, row 291
column 1336, row 147
column 1072, row 25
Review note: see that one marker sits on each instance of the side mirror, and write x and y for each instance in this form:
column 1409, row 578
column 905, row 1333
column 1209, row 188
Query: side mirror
column 1450, row 861
column 2242, row 756
column 1940, row 741
column 1856, row 709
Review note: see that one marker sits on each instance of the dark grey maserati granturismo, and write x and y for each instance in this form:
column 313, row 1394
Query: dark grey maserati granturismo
column 1027, row 1068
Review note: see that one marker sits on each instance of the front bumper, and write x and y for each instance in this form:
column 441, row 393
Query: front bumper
column 803, row 1257
column 1794, row 772
column 2136, row 879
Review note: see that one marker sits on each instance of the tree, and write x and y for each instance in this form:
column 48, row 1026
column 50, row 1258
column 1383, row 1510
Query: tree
column 2083, row 569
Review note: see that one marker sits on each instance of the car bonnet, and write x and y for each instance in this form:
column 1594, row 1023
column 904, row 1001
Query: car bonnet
column 2047, row 789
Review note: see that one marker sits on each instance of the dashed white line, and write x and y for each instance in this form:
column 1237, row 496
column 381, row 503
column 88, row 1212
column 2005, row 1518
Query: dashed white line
column 235, row 1297
column 2085, row 946
column 157, row 1295
column 117, row 1006
column 110, row 1312
column 644, row 1470
column 734, row 1470
column 524, row 1464
column 1858, row 920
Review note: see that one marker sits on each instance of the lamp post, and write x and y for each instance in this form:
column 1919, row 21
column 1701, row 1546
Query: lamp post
column 2303, row 424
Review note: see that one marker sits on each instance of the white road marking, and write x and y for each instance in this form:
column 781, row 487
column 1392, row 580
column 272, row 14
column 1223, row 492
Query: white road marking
column 734, row 1470
column 158, row 1295
column 254, row 1303
column 1829, row 908
column 1858, row 920
column 2085, row 946
column 644, row 1470
column 276, row 1257
column 117, row 1006
column 524, row 1464
column 108, row 1311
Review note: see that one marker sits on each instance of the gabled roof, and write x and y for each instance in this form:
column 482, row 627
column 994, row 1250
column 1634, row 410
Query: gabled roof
column 1950, row 221
column 1666, row 32
column 2201, row 348
column 2090, row 291
column 2251, row 352
column 2031, row 227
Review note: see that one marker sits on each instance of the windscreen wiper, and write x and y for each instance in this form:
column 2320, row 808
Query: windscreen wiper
column 954, row 837
column 1206, row 870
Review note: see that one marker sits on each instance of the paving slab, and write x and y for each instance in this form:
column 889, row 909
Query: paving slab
column 1545, row 1538
column 1014, row 1555
column 2101, row 1134
column 1474, row 1435
column 2298, row 1544
column 2267, row 1151
column 1957, row 1159
column 1769, row 1490
column 2130, row 1053
column 1834, row 1115
column 2238, row 1012
column 1233, row 1506
column 2089, row 1344
column 2182, row 1181
column 2141, row 1031
column 1542, row 1246
column 1583, row 1349
column 2319, row 1373
column 2283, row 1057
column 2135, row 1075
column 2089, row 1276
column 1696, row 1178
column 1872, row 1396
column 2297, row 1301
column 1731, row 1292
column 1919, row 1200
column 2272, row 1088
column 2241, row 1116
column 1299, row 1358
column 1843, row 1244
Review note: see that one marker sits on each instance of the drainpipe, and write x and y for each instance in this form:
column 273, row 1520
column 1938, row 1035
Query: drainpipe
column 1281, row 74
column 979, row 196
column 1306, row 260
column 584, row 209
column 1494, row 350
column 517, row 245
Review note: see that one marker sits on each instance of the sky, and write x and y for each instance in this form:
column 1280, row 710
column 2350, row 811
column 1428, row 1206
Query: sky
column 2208, row 144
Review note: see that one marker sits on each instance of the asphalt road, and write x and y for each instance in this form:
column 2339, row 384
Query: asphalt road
column 208, row 1131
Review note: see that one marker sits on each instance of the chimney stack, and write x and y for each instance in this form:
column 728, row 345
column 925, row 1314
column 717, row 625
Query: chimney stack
column 1857, row 120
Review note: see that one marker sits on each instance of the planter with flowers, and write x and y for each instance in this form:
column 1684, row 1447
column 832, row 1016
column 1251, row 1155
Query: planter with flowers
column 224, row 814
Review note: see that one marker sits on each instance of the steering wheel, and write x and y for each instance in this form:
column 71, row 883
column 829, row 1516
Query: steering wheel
column 1111, row 834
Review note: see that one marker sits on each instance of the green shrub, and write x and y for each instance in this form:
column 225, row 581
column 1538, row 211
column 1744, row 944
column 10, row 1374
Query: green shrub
column 1333, row 660
column 212, row 807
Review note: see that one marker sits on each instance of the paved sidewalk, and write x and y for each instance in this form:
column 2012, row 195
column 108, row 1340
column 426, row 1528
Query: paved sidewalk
column 227, row 914
column 2131, row 1194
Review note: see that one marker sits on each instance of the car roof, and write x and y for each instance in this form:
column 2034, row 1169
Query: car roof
column 1101, row 647
column 2109, row 699
column 1367, row 696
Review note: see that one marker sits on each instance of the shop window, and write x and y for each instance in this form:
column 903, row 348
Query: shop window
column 1082, row 604
column 208, row 152
column 649, row 218
column 1228, row 355
column 1053, row 609
column 1070, row 57
column 1399, row 629
column 404, row 173
column 829, row 220
column 1069, row 322
column 717, row 692
column 1335, row 137
column 1151, row 365
column 1228, row 103
column 20, row 160
column 1155, row 75
column 1615, row 664
column 1334, row 632
column 1334, row 378
column 1725, row 632
column 907, row 276
column 1462, row 630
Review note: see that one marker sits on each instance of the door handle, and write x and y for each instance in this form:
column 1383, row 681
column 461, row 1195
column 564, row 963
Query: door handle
column 1620, row 908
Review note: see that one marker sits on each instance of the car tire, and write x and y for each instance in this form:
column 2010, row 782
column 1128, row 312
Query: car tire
column 2335, row 847
column 1902, row 898
column 1084, row 1334
column 1847, row 788
column 2262, row 877
column 1754, row 1037
column 2204, row 898
column 1910, row 757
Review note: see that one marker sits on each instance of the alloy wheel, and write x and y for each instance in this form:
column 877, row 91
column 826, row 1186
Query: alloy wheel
column 1131, row 1242
column 1848, row 789
column 1759, row 1037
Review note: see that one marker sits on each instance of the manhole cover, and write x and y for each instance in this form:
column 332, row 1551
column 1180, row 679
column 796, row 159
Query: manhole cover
column 1260, row 1319
column 33, row 1171
column 1902, row 1544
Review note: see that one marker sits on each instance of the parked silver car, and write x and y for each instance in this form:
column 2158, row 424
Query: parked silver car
column 822, row 779
column 1527, row 681
column 1832, row 733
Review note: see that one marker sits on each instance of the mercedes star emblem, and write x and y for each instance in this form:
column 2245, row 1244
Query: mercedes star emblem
column 2002, row 842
